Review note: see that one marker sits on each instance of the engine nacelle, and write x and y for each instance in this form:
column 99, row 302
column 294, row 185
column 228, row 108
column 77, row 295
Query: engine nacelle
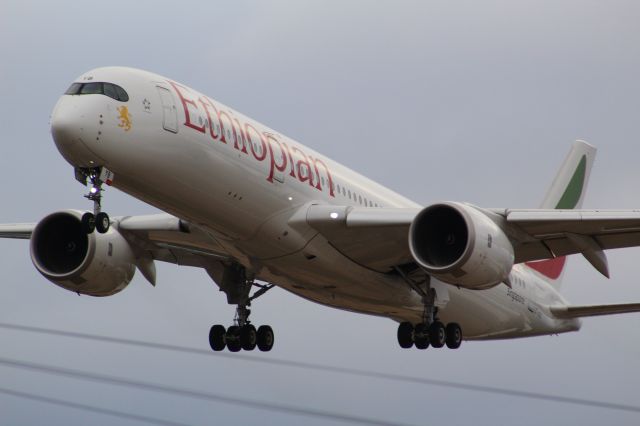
column 93, row 264
column 460, row 245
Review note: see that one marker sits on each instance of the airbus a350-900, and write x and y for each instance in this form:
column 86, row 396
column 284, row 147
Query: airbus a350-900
column 256, row 209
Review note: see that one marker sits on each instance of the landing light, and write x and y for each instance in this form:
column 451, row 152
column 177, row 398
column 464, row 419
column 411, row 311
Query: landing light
column 334, row 215
column 290, row 198
column 93, row 190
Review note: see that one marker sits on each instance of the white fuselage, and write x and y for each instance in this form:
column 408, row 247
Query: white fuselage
column 242, row 182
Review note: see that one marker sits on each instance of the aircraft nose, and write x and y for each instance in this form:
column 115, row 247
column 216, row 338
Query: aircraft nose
column 72, row 128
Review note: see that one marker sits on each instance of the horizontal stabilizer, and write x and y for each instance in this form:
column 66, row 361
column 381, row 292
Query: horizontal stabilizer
column 593, row 310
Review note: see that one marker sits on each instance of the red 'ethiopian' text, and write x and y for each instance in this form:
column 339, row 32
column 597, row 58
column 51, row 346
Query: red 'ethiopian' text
column 264, row 146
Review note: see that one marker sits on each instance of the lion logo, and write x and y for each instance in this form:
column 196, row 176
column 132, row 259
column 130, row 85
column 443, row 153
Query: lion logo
column 125, row 118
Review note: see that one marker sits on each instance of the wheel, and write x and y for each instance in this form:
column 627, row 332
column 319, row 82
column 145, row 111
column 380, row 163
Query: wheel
column 216, row 337
column 405, row 334
column 421, row 336
column 88, row 223
column 102, row 222
column 265, row 338
column 437, row 334
column 232, row 338
column 454, row 335
column 248, row 337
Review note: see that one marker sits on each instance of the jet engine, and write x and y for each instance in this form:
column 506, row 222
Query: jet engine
column 93, row 264
column 460, row 245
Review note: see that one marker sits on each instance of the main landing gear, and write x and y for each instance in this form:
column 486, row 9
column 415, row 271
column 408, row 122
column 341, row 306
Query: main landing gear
column 98, row 220
column 242, row 335
column 431, row 331
column 435, row 334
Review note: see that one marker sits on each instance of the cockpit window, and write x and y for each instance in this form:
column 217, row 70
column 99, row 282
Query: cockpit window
column 95, row 88
column 122, row 95
column 91, row 89
column 73, row 89
column 110, row 90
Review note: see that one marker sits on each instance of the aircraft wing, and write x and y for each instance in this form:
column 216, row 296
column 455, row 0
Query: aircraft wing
column 593, row 310
column 378, row 238
column 20, row 231
column 169, row 239
column 375, row 238
column 552, row 232
column 160, row 237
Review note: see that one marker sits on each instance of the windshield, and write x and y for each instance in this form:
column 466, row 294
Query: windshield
column 96, row 88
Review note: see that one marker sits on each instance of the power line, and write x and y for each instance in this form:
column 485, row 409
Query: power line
column 333, row 369
column 90, row 408
column 262, row 405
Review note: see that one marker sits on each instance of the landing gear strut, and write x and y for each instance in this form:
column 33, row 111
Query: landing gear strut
column 431, row 331
column 242, row 335
column 98, row 220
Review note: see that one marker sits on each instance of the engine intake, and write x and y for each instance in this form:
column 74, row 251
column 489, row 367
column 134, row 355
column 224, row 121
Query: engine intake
column 94, row 264
column 460, row 245
column 61, row 245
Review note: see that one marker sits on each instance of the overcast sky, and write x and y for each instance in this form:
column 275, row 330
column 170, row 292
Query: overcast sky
column 466, row 100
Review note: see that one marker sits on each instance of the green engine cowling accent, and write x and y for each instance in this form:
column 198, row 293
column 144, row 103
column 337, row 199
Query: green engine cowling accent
column 572, row 193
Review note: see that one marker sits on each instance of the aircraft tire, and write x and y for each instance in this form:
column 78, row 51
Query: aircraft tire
column 248, row 337
column 265, row 338
column 421, row 336
column 405, row 335
column 88, row 223
column 217, row 337
column 232, row 338
column 454, row 335
column 437, row 334
column 102, row 222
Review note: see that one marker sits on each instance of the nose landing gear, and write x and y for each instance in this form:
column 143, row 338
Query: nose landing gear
column 98, row 220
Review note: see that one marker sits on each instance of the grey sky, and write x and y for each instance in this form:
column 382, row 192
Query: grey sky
column 472, row 101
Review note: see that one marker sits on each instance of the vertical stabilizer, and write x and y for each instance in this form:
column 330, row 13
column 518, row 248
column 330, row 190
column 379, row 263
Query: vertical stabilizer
column 570, row 184
column 566, row 192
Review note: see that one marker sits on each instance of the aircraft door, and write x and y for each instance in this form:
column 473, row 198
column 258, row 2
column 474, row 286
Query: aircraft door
column 169, row 111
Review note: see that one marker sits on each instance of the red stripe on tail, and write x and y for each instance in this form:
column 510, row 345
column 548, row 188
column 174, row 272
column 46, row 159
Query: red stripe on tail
column 550, row 268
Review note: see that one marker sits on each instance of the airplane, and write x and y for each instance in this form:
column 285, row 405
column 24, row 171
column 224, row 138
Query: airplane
column 256, row 209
